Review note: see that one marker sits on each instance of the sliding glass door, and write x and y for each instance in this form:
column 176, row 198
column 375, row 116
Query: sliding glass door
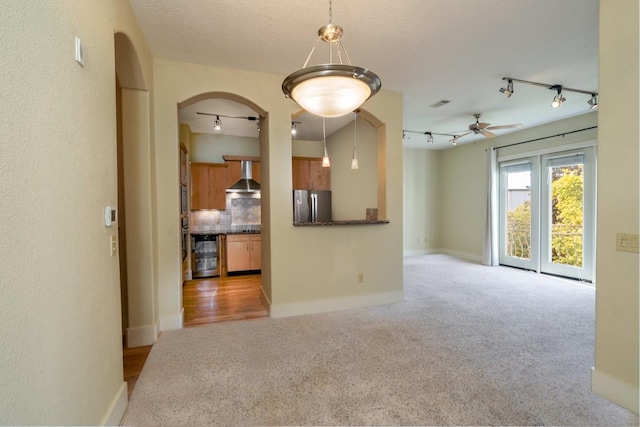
column 547, row 221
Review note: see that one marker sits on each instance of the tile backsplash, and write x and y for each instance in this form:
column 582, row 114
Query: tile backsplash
column 242, row 213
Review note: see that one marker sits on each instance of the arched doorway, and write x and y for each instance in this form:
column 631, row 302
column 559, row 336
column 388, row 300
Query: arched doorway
column 232, row 289
column 134, row 197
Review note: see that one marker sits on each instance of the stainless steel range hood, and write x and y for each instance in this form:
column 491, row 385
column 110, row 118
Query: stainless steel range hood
column 246, row 183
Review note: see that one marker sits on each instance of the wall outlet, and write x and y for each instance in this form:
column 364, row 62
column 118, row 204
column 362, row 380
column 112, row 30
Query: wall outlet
column 360, row 277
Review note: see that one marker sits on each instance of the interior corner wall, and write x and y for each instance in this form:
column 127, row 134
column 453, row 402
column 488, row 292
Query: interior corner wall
column 422, row 201
column 311, row 269
column 61, row 358
column 615, row 375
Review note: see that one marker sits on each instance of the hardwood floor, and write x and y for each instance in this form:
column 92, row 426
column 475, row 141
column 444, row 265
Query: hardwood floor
column 222, row 299
column 206, row 301
column 134, row 359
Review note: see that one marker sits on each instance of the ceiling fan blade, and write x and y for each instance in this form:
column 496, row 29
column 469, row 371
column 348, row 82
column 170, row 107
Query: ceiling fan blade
column 487, row 133
column 504, row 127
column 482, row 125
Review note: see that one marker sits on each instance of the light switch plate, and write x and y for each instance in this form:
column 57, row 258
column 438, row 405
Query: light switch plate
column 627, row 242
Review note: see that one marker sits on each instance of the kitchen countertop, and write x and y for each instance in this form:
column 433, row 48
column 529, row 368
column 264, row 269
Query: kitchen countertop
column 202, row 233
column 342, row 222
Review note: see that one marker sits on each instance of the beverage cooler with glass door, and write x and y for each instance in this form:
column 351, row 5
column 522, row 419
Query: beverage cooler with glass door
column 206, row 255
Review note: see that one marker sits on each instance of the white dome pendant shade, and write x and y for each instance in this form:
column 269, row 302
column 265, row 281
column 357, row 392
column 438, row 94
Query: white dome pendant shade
column 331, row 90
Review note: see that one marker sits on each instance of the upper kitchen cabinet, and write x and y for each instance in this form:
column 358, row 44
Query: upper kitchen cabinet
column 208, row 186
column 308, row 174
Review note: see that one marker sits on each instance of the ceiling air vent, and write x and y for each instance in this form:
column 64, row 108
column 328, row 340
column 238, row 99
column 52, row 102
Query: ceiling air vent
column 439, row 104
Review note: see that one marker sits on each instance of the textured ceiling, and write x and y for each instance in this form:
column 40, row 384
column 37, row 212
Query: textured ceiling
column 429, row 50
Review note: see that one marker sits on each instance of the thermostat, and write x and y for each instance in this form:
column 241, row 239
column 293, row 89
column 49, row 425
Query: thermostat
column 110, row 215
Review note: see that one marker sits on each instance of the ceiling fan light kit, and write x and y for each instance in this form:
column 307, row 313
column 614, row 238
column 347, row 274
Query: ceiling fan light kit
column 332, row 89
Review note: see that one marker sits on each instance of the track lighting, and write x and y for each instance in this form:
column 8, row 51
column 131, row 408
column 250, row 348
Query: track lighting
column 427, row 133
column 558, row 99
column 508, row 91
column 294, row 131
column 326, row 162
column 217, row 124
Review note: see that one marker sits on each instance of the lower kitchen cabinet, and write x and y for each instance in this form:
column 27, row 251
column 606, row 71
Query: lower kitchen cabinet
column 244, row 252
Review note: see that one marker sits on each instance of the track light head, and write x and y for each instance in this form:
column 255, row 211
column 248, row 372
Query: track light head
column 294, row 131
column 593, row 102
column 558, row 99
column 429, row 137
column 217, row 124
column 508, row 91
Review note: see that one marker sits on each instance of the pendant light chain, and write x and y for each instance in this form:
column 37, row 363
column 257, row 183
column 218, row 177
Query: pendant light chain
column 355, row 132
column 326, row 162
column 330, row 11
column 354, row 159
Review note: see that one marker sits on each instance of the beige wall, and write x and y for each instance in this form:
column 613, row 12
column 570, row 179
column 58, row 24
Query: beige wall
column 616, row 359
column 353, row 190
column 305, row 148
column 210, row 148
column 61, row 358
column 463, row 179
column 422, row 201
column 311, row 268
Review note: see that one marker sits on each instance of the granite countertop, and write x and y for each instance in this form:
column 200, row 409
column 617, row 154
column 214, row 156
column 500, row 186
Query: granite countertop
column 342, row 222
column 211, row 232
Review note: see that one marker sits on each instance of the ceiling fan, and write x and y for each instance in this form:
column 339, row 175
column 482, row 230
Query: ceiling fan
column 483, row 129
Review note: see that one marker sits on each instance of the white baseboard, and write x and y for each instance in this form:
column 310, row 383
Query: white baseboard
column 264, row 299
column 141, row 336
column 335, row 304
column 421, row 252
column 171, row 322
column 613, row 389
column 463, row 255
column 116, row 409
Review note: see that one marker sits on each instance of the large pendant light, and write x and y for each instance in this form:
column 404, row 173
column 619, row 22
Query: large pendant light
column 333, row 89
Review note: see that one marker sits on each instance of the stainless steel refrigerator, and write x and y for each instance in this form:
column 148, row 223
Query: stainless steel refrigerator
column 311, row 206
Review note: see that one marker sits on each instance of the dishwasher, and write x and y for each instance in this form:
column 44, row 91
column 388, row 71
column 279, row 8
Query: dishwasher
column 206, row 248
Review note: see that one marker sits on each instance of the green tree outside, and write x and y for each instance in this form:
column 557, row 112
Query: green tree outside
column 566, row 216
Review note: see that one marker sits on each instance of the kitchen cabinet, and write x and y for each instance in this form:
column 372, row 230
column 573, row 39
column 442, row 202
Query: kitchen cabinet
column 234, row 171
column 208, row 186
column 184, row 177
column 244, row 252
column 308, row 174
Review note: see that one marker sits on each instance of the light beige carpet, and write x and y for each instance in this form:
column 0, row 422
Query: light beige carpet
column 472, row 345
